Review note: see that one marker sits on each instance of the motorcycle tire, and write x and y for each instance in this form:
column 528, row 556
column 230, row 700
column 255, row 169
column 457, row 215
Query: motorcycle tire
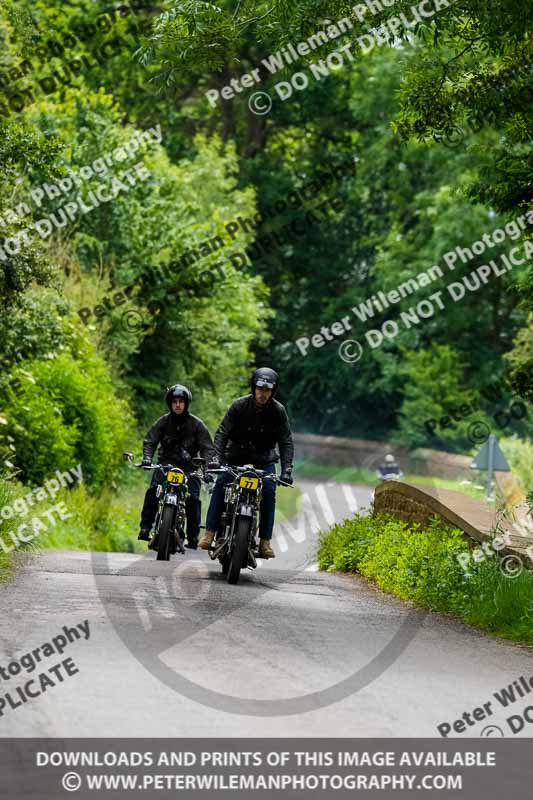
column 239, row 556
column 225, row 564
column 165, row 532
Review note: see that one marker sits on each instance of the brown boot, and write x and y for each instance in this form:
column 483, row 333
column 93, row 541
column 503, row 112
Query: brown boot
column 207, row 540
column 265, row 549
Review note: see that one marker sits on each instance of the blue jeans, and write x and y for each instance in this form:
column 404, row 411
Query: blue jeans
column 267, row 509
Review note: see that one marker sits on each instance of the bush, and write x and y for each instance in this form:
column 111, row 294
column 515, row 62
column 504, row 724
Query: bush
column 103, row 522
column 65, row 411
column 501, row 604
column 519, row 453
column 7, row 526
column 420, row 564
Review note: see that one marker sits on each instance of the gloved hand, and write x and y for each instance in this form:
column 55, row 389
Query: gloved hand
column 146, row 462
column 286, row 476
column 214, row 463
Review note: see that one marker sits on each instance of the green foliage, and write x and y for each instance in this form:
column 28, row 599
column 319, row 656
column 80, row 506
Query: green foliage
column 344, row 546
column 415, row 563
column 7, row 526
column 105, row 522
column 432, row 384
column 519, row 453
column 520, row 360
column 34, row 327
column 419, row 564
column 65, row 411
column 499, row 604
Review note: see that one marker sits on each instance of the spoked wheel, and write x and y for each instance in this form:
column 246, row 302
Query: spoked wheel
column 165, row 532
column 239, row 556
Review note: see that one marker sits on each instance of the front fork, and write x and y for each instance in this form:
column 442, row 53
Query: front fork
column 224, row 542
column 249, row 511
column 179, row 516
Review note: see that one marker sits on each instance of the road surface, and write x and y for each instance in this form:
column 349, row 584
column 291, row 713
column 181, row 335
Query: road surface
column 175, row 651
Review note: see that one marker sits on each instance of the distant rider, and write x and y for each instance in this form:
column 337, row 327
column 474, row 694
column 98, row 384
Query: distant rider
column 390, row 469
column 248, row 434
column 181, row 437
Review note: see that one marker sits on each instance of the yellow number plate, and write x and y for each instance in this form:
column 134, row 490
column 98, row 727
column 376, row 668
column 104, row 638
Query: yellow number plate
column 175, row 477
column 249, row 483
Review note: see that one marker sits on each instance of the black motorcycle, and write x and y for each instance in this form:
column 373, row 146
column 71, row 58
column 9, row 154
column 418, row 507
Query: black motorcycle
column 235, row 544
column 169, row 526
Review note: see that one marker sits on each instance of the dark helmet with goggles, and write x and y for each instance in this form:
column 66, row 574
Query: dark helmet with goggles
column 266, row 378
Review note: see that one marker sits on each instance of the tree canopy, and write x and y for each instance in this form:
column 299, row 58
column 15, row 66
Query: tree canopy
column 230, row 235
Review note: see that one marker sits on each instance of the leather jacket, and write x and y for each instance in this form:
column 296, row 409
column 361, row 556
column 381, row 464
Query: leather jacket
column 180, row 437
column 249, row 434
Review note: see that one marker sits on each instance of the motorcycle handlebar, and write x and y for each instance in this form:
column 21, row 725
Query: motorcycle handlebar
column 234, row 471
column 169, row 467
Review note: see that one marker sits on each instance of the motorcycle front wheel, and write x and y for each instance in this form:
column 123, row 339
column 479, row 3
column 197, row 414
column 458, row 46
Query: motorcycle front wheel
column 166, row 527
column 239, row 555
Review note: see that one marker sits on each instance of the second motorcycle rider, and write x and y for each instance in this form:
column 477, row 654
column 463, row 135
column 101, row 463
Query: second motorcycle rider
column 248, row 434
column 180, row 436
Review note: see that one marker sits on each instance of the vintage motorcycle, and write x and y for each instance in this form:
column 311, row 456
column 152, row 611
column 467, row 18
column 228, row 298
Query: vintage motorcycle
column 235, row 544
column 169, row 526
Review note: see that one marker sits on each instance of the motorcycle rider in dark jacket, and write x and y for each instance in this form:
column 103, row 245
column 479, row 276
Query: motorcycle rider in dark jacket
column 390, row 469
column 249, row 433
column 181, row 437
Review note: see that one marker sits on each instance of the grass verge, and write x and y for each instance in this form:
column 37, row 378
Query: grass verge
column 368, row 477
column 420, row 564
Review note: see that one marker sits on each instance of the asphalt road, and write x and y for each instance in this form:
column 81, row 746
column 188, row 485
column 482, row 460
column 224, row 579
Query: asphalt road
column 175, row 651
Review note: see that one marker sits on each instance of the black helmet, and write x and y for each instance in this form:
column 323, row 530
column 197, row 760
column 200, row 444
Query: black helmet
column 178, row 391
column 265, row 377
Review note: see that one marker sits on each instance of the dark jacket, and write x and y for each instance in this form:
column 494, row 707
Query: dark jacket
column 389, row 469
column 248, row 435
column 181, row 437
